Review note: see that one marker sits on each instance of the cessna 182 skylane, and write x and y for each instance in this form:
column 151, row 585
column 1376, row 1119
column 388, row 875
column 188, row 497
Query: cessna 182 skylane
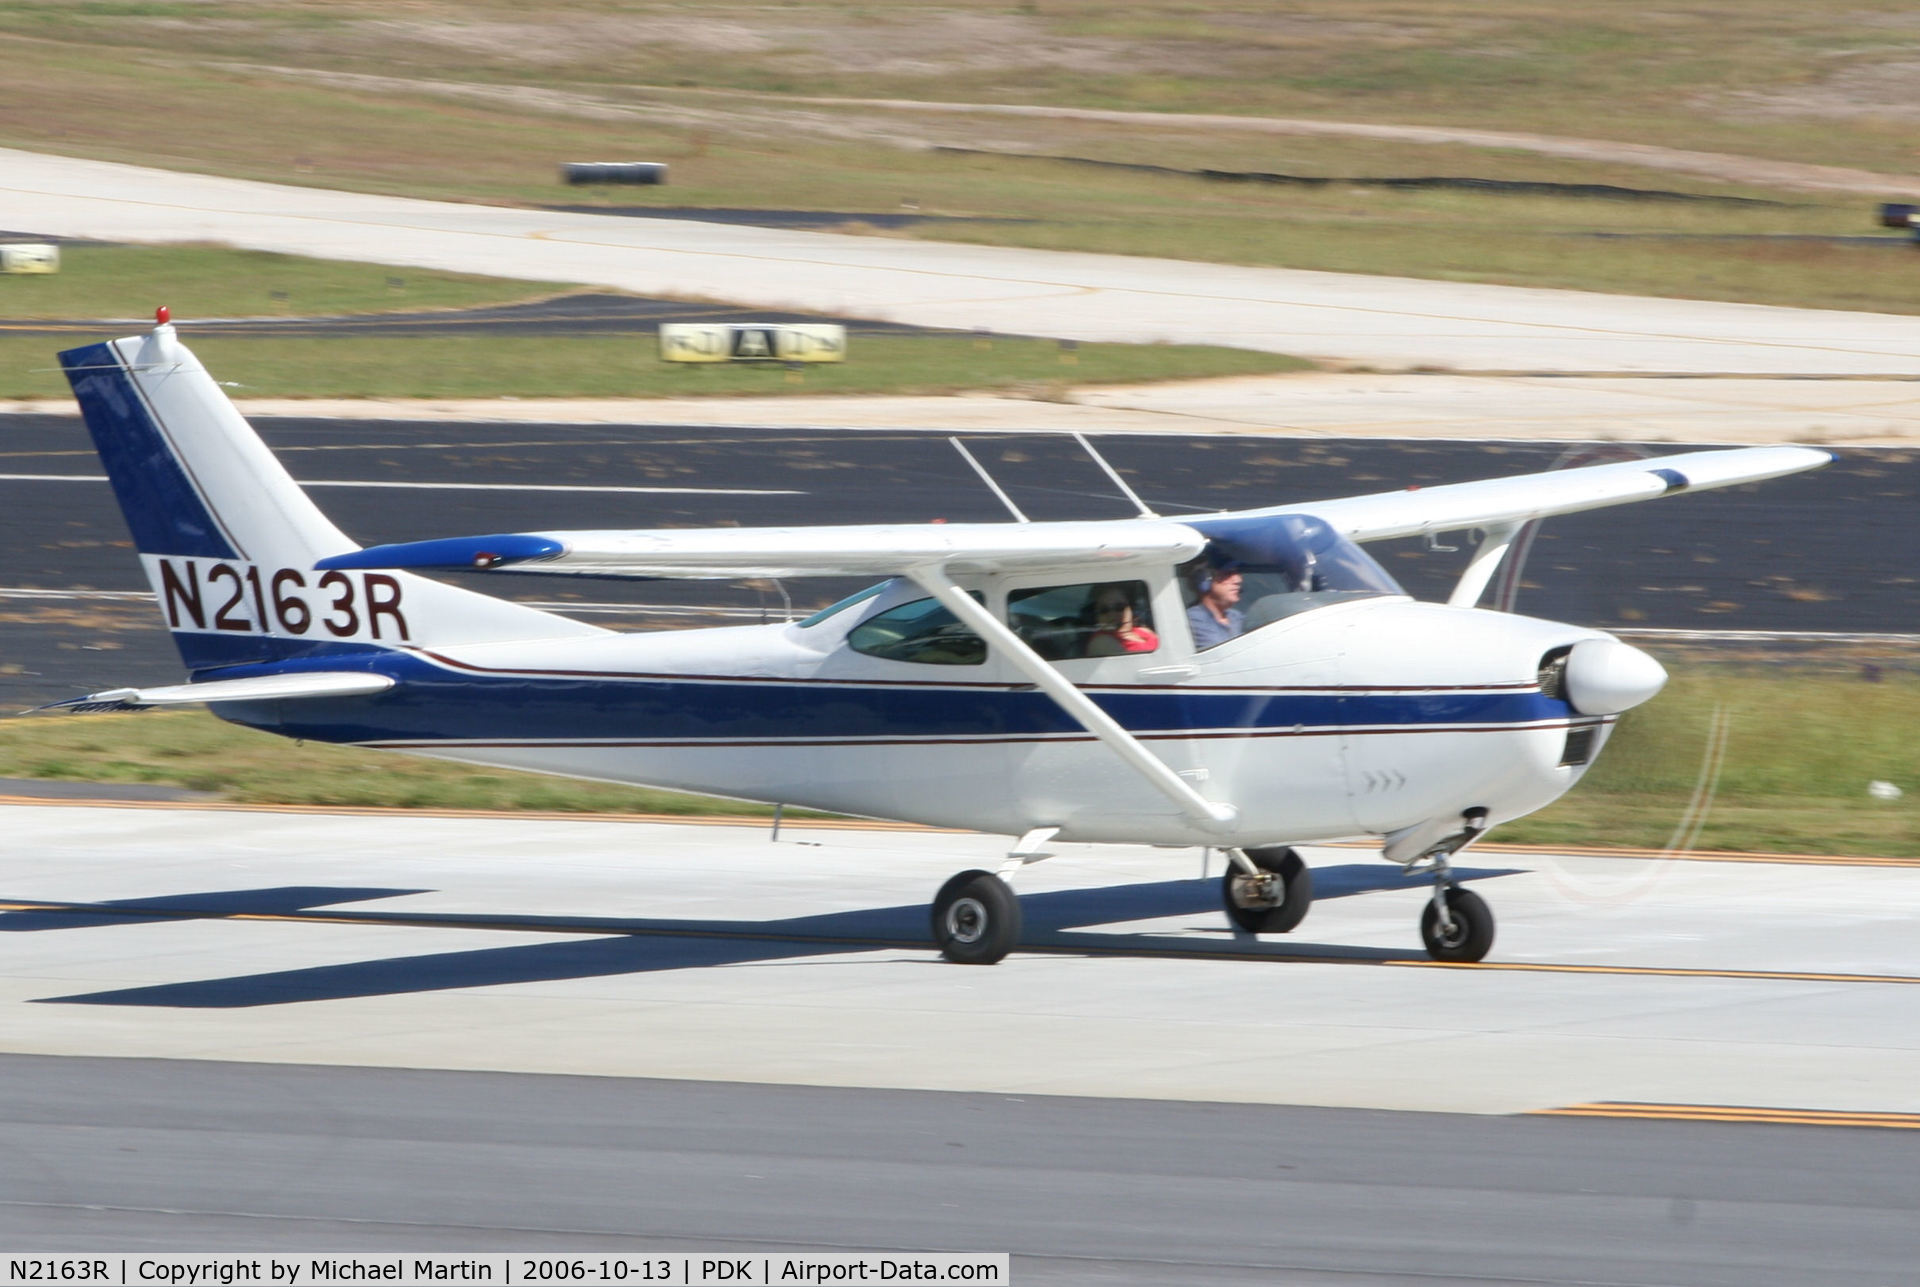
column 975, row 686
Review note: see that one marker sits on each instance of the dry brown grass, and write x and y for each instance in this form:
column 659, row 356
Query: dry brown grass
column 480, row 99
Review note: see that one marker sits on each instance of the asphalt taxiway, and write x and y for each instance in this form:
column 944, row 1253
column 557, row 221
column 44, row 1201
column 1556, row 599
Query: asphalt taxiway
column 322, row 1026
column 308, row 1030
column 717, row 952
column 182, row 1155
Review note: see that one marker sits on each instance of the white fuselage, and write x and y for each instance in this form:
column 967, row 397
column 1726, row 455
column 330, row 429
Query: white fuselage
column 1359, row 717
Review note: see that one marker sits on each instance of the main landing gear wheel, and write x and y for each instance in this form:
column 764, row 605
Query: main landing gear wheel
column 976, row 918
column 1467, row 934
column 1274, row 902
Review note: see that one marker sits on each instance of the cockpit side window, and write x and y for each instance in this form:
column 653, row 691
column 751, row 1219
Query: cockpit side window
column 1256, row 571
column 1086, row 619
column 922, row 631
column 1213, row 585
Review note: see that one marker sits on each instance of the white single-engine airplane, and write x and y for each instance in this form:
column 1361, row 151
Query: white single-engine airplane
column 1086, row 681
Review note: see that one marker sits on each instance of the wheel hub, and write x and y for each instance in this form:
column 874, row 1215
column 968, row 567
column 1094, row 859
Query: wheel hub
column 1263, row 891
column 966, row 921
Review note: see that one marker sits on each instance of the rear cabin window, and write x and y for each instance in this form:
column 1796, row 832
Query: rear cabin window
column 1089, row 619
column 921, row 631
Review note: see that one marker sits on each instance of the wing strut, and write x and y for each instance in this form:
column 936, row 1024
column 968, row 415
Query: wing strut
column 1493, row 546
column 987, row 478
column 1209, row 815
column 1118, row 481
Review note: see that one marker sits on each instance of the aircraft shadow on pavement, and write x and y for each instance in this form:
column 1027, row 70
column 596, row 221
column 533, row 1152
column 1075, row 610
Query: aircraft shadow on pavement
column 1055, row 922
column 293, row 901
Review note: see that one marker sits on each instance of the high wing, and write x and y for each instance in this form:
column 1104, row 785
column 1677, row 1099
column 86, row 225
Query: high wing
column 1501, row 502
column 962, row 548
column 885, row 549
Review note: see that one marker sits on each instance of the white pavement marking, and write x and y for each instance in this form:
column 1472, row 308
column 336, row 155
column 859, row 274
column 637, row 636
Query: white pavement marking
column 1115, row 1020
column 1384, row 321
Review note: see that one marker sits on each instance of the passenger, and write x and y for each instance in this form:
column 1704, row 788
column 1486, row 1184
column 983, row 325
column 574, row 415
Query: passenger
column 1114, row 627
column 1214, row 618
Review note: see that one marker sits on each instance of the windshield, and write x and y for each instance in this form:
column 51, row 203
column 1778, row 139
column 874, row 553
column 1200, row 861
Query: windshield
column 835, row 609
column 1286, row 564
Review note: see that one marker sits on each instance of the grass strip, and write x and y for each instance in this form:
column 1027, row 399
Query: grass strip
column 513, row 366
column 201, row 281
column 214, row 282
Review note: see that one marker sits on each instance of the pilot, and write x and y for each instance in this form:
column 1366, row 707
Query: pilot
column 1215, row 618
column 1112, row 625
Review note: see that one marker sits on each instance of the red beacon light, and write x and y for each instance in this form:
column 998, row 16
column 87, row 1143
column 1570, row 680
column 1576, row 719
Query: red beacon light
column 162, row 315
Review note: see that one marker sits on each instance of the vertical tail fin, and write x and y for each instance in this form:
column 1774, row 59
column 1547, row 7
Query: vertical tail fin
column 192, row 477
column 229, row 540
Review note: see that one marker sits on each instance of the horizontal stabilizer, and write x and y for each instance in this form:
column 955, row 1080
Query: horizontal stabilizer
column 261, row 688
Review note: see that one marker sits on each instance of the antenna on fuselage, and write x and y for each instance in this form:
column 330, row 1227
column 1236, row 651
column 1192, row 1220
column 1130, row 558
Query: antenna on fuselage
column 1118, row 481
column 987, row 478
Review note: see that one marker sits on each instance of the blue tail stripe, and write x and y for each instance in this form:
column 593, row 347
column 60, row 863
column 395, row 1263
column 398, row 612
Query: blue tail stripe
column 206, row 651
column 164, row 511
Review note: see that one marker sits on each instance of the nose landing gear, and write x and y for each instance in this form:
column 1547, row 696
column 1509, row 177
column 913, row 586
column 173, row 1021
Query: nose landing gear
column 1456, row 924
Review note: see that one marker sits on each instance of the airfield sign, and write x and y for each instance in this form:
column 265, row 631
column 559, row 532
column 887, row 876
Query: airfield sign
column 753, row 342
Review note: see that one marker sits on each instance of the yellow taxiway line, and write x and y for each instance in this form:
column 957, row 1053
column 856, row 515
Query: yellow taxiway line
column 1657, row 971
column 1736, row 1113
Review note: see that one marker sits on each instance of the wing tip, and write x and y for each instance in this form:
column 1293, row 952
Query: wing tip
column 483, row 552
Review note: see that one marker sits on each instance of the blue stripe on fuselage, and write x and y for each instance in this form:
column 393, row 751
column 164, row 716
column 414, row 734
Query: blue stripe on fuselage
column 163, row 509
column 432, row 704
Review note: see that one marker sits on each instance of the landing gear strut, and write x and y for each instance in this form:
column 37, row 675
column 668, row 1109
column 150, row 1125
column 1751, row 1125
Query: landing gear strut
column 976, row 918
column 1456, row 924
column 1267, row 891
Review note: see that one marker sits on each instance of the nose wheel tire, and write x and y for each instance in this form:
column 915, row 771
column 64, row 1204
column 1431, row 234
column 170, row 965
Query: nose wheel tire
column 1274, row 904
column 976, row 918
column 1469, row 935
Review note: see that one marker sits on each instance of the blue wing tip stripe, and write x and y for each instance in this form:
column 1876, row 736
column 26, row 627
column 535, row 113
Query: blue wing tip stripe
column 450, row 552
